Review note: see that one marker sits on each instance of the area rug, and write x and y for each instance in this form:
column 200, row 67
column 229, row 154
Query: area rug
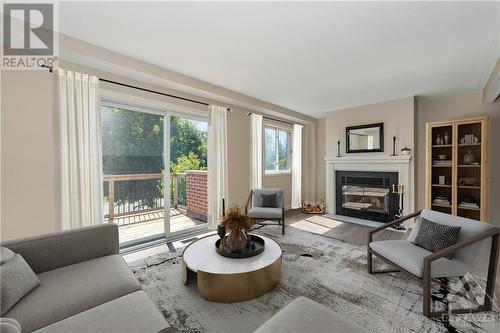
column 327, row 270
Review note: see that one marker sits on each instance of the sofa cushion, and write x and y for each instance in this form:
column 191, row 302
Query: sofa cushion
column 265, row 213
column 17, row 279
column 72, row 289
column 411, row 257
column 132, row 313
column 305, row 315
column 5, row 255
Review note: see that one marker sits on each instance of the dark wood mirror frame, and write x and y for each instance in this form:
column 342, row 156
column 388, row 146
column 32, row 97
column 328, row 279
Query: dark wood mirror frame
column 350, row 149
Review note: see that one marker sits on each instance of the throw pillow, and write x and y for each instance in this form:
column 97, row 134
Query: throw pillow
column 17, row 280
column 5, row 255
column 434, row 236
column 269, row 200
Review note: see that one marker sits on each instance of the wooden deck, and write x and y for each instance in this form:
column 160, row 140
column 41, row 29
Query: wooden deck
column 137, row 226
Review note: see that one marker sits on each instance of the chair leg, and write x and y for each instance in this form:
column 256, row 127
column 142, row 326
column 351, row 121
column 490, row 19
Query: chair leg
column 283, row 225
column 369, row 262
column 492, row 271
column 426, row 292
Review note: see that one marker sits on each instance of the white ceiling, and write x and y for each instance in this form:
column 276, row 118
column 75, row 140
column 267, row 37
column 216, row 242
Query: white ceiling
column 308, row 57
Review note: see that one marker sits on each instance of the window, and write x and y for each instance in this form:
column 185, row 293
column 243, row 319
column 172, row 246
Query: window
column 277, row 150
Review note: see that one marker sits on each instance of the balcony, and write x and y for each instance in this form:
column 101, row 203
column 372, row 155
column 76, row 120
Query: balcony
column 135, row 202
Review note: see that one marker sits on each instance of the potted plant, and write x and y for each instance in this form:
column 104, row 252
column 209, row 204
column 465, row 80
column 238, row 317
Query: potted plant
column 237, row 223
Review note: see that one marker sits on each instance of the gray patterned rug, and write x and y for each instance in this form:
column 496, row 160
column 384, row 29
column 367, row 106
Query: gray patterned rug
column 327, row 270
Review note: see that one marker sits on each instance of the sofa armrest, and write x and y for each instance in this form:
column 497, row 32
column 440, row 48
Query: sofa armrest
column 51, row 251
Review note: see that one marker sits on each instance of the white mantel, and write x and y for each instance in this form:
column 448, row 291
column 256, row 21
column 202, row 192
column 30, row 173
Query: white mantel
column 384, row 163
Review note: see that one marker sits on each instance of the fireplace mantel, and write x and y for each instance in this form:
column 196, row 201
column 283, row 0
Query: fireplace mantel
column 402, row 164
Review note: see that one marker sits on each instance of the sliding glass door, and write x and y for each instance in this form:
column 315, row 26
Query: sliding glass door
column 143, row 150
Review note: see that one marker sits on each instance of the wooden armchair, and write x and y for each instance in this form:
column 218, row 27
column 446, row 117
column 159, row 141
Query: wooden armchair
column 425, row 265
column 256, row 210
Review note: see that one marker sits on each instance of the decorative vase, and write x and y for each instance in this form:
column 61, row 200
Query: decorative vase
column 446, row 138
column 469, row 157
column 236, row 241
column 439, row 140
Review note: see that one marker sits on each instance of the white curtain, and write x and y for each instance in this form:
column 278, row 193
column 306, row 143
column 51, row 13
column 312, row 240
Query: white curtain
column 296, row 166
column 256, row 151
column 80, row 158
column 217, row 163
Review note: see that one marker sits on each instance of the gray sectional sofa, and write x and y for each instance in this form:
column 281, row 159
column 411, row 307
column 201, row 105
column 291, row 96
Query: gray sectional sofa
column 86, row 286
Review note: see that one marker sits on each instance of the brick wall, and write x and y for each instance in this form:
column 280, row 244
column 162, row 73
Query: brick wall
column 196, row 194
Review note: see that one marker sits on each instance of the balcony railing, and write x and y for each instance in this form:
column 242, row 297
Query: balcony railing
column 140, row 193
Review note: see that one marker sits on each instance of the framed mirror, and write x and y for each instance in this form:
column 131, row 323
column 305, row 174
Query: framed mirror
column 365, row 138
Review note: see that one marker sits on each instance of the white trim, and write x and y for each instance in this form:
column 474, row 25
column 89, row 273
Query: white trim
column 400, row 164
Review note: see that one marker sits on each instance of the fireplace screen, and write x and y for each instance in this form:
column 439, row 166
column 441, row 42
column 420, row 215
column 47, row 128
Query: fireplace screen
column 366, row 195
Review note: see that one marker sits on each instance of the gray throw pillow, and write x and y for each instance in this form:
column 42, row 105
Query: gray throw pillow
column 269, row 200
column 434, row 236
column 17, row 280
column 5, row 255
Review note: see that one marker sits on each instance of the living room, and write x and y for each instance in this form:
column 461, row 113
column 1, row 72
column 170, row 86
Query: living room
column 308, row 145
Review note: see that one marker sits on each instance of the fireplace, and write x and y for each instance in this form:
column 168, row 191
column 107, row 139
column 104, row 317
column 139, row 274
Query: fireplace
column 366, row 195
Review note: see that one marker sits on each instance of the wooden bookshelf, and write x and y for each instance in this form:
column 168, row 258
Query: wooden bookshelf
column 451, row 141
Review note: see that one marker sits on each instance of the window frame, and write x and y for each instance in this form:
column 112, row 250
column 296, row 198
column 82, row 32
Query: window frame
column 277, row 129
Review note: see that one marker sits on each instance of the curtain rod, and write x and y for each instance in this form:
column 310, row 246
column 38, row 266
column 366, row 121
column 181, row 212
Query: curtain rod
column 274, row 119
column 144, row 89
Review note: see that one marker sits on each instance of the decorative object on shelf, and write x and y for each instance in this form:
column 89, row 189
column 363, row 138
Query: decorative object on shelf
column 441, row 200
column 394, row 146
column 365, row 138
column 469, row 157
column 405, row 151
column 468, row 181
column 399, row 190
column 468, row 202
column 439, row 140
column 442, row 180
column 469, row 138
column 446, row 138
column 314, row 209
column 442, row 157
column 237, row 223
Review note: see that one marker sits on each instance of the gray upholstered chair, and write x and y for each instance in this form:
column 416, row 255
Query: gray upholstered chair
column 266, row 204
column 473, row 239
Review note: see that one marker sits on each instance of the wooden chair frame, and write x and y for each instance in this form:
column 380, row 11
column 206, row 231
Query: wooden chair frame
column 425, row 280
column 281, row 221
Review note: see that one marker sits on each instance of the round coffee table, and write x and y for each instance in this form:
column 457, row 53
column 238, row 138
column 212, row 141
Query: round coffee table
column 228, row 280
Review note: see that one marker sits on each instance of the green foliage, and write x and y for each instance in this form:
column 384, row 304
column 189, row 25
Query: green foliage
column 133, row 144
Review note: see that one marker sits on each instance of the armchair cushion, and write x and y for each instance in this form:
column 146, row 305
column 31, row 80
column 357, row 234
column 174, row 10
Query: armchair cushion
column 469, row 228
column 265, row 213
column 411, row 257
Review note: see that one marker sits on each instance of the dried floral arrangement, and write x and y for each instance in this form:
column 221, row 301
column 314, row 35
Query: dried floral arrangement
column 235, row 221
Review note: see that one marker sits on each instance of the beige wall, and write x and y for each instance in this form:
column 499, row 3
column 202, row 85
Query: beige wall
column 455, row 107
column 320, row 159
column 29, row 149
column 28, row 204
column 399, row 114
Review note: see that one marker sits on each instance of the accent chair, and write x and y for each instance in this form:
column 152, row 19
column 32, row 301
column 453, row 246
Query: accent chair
column 267, row 204
column 473, row 239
